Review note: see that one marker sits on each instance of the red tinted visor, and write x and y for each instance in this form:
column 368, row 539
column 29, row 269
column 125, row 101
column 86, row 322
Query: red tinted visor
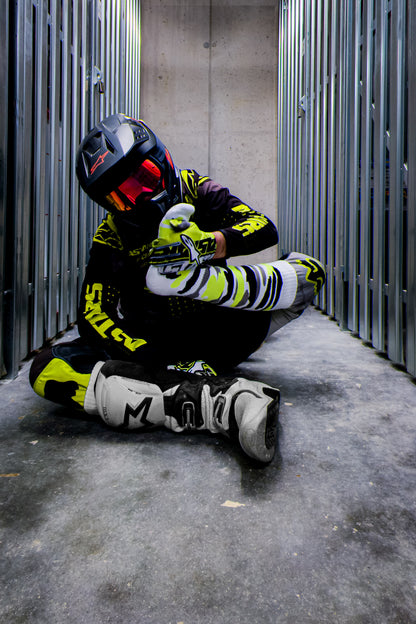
column 145, row 181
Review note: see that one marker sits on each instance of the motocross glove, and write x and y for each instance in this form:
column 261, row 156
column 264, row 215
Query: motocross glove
column 181, row 244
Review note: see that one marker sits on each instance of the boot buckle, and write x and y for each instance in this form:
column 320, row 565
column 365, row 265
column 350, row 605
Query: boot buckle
column 188, row 415
column 219, row 409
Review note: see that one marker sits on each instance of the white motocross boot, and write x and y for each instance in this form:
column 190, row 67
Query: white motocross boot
column 127, row 397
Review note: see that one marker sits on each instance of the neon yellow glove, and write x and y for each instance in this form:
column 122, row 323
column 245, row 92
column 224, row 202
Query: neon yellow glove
column 181, row 244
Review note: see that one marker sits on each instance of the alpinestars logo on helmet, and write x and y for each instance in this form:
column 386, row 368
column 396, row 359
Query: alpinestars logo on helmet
column 98, row 162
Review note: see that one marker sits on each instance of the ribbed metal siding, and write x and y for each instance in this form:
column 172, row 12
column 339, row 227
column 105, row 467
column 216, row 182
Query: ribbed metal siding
column 4, row 61
column 347, row 160
column 64, row 65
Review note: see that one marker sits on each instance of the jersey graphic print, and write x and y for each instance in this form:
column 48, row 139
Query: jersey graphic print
column 248, row 287
column 315, row 273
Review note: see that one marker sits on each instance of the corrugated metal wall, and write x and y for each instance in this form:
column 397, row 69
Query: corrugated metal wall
column 347, row 160
column 64, row 64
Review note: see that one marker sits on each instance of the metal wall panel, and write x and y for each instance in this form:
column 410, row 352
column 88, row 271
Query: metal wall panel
column 332, row 142
column 358, row 182
column 4, row 108
column 379, row 318
column 71, row 62
column 18, row 230
column 411, row 199
column 396, row 238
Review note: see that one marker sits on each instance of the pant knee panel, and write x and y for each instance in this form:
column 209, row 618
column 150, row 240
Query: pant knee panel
column 62, row 372
column 311, row 278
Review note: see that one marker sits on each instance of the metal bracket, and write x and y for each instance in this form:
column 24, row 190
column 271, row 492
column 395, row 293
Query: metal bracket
column 97, row 80
column 302, row 107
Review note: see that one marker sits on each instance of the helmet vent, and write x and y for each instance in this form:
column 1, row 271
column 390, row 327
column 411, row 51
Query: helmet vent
column 109, row 146
column 94, row 143
column 140, row 133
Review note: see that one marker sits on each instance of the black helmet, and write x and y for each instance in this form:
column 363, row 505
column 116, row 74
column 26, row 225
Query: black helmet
column 124, row 167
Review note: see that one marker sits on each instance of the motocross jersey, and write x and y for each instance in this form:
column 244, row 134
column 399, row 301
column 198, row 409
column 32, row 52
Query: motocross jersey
column 119, row 314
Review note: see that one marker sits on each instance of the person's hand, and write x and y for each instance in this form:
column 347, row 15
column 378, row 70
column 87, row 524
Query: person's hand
column 181, row 244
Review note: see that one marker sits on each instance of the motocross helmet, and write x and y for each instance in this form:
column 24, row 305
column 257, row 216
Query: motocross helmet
column 123, row 166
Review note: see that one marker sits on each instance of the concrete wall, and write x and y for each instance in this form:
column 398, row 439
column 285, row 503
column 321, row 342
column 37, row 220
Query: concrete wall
column 208, row 88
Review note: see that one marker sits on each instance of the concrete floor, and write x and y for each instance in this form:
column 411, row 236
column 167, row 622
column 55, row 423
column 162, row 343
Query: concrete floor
column 100, row 526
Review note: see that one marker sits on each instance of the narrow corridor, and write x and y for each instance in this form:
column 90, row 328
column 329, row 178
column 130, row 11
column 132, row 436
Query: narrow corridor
column 101, row 526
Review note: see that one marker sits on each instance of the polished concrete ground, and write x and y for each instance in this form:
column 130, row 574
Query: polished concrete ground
column 100, row 526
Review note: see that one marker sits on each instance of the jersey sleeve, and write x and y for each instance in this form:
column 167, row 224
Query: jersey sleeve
column 246, row 230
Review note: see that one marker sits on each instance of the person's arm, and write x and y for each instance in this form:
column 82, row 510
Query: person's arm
column 221, row 250
column 244, row 229
column 211, row 224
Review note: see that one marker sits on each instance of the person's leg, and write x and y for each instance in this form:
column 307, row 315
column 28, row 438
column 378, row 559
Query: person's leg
column 62, row 372
column 308, row 287
column 288, row 283
column 126, row 396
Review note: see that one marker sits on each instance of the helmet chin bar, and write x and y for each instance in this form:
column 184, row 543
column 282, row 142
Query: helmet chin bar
column 145, row 218
column 160, row 202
